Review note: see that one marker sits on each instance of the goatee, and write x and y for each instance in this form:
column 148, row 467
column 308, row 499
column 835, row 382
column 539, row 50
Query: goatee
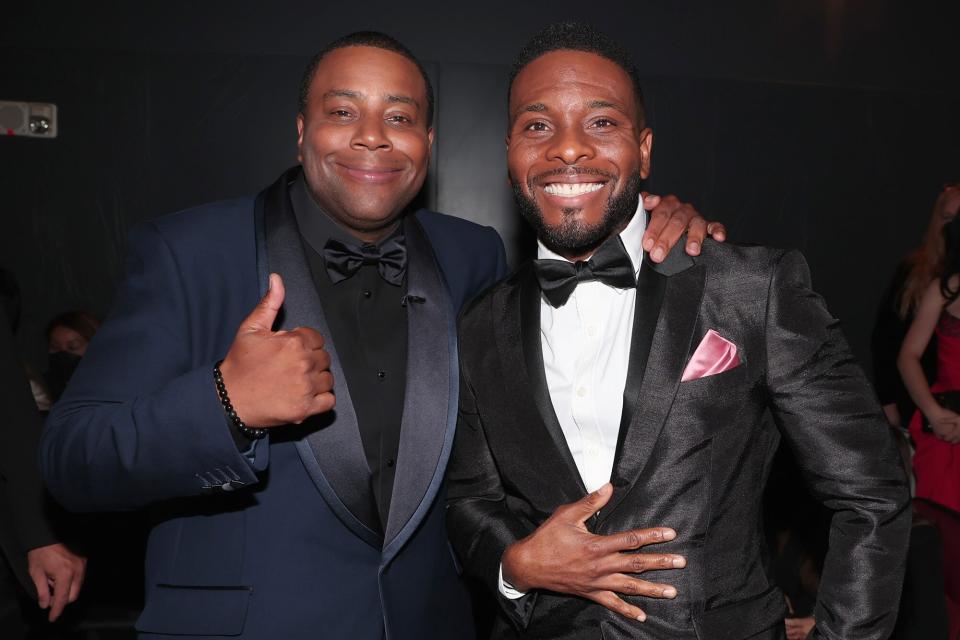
column 572, row 236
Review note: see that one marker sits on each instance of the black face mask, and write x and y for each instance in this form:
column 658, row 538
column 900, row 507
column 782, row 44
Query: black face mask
column 61, row 366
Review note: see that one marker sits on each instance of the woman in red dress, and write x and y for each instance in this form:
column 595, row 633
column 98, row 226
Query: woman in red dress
column 935, row 428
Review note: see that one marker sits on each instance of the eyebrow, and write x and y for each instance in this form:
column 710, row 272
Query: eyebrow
column 536, row 107
column 403, row 100
column 604, row 104
column 342, row 93
column 357, row 95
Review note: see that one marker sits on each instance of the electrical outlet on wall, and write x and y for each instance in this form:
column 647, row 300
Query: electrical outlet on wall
column 28, row 119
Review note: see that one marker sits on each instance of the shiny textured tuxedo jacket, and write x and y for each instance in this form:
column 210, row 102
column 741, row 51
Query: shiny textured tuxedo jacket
column 268, row 549
column 692, row 455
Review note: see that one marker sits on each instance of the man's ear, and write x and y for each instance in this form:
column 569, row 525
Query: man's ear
column 300, row 128
column 646, row 148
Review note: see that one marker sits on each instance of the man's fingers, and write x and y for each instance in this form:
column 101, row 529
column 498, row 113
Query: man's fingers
column 717, row 231
column 650, row 200
column 628, row 586
column 612, row 601
column 75, row 585
column 659, row 214
column 310, row 339
column 584, row 508
column 635, row 538
column 667, row 223
column 39, row 578
column 61, row 592
column 323, row 402
column 696, row 233
column 640, row 562
column 265, row 313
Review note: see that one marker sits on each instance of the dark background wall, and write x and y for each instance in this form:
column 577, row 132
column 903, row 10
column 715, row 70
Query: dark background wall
column 826, row 125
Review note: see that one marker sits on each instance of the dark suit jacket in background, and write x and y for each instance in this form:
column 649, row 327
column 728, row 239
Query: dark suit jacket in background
column 271, row 548
column 691, row 455
column 24, row 523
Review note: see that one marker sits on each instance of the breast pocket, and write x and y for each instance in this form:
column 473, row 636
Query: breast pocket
column 709, row 386
column 706, row 405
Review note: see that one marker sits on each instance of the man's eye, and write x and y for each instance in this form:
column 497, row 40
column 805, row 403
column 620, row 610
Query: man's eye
column 537, row 126
column 603, row 123
column 398, row 118
column 340, row 113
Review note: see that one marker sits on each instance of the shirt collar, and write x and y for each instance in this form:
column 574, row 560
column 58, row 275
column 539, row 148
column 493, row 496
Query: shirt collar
column 631, row 236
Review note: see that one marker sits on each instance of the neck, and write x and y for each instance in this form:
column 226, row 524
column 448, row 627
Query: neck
column 581, row 254
column 372, row 236
column 364, row 236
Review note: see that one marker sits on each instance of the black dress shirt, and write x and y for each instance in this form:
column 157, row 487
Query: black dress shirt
column 369, row 328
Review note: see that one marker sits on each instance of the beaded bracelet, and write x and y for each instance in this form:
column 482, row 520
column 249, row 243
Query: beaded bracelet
column 253, row 433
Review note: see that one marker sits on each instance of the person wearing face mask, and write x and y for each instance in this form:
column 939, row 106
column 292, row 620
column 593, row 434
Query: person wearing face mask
column 68, row 335
column 34, row 563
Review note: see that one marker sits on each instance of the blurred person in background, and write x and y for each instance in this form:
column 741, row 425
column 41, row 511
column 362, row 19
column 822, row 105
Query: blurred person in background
column 68, row 335
column 935, row 426
column 34, row 564
column 899, row 304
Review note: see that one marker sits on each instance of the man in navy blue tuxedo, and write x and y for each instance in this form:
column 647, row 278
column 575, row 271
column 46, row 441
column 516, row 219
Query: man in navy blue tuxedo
column 292, row 456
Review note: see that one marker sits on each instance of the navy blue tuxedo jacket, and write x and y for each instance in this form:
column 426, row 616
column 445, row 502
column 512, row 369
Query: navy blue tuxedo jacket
column 267, row 545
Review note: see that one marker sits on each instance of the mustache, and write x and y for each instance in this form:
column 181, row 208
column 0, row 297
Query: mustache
column 574, row 170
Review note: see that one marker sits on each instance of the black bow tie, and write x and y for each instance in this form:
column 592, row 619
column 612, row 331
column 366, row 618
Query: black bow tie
column 343, row 260
column 610, row 265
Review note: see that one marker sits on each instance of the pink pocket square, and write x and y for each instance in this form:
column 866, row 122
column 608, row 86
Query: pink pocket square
column 715, row 354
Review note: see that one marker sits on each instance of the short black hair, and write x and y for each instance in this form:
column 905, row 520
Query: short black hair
column 374, row 39
column 578, row 36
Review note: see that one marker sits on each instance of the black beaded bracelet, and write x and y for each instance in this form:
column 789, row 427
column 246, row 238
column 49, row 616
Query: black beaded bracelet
column 252, row 433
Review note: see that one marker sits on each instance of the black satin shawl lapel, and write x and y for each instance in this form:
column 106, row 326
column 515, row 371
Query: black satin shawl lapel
column 527, row 302
column 431, row 394
column 668, row 305
column 329, row 444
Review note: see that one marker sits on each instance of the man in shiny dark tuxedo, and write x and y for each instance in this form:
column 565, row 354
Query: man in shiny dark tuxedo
column 295, row 483
column 609, row 403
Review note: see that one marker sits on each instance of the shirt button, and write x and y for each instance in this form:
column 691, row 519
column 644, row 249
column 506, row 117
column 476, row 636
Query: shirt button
column 381, row 374
column 367, row 293
column 581, row 392
column 591, row 331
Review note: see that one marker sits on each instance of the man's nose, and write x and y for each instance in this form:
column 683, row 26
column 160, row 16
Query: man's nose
column 571, row 145
column 371, row 134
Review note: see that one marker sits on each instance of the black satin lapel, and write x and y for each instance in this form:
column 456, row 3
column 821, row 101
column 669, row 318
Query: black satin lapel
column 329, row 444
column 430, row 397
column 654, row 372
column 650, row 288
column 529, row 329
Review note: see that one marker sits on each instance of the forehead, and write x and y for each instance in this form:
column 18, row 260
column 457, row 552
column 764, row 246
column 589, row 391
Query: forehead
column 562, row 76
column 370, row 71
column 61, row 333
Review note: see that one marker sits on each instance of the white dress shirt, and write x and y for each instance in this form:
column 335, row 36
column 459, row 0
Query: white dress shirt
column 586, row 352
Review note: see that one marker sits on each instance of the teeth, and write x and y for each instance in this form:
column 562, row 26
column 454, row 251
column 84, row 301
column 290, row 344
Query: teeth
column 575, row 189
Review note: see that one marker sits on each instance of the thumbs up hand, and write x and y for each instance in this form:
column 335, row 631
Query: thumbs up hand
column 276, row 377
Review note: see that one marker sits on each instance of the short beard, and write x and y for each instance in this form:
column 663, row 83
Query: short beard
column 573, row 237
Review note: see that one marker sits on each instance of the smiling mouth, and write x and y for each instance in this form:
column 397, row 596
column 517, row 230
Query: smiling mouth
column 572, row 189
column 371, row 174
